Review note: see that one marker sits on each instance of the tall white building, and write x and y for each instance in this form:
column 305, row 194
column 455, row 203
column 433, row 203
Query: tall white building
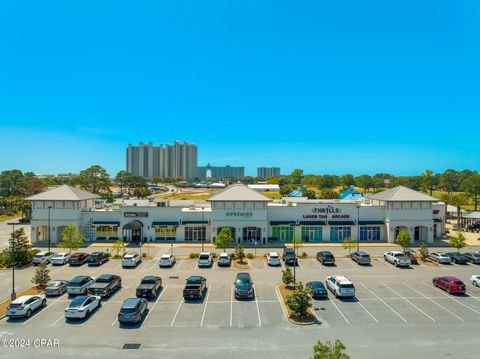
column 177, row 160
column 265, row 172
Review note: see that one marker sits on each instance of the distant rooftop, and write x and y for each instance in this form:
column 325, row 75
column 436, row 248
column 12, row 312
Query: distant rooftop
column 401, row 193
column 63, row 193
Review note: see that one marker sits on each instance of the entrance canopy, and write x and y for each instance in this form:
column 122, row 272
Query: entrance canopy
column 133, row 225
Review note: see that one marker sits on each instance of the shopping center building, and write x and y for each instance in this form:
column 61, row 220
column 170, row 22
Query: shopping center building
column 250, row 216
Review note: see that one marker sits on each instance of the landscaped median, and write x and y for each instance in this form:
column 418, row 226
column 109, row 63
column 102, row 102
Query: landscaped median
column 296, row 304
column 28, row 291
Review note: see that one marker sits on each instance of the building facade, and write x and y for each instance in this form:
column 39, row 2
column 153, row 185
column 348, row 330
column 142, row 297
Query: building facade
column 251, row 217
column 177, row 160
column 266, row 172
column 219, row 173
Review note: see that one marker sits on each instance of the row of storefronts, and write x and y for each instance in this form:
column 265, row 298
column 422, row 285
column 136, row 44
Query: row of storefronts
column 250, row 216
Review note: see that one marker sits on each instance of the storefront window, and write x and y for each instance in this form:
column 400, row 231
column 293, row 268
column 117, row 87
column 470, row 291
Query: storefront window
column 107, row 231
column 340, row 233
column 311, row 233
column 369, row 233
column 282, row 233
column 165, row 232
column 195, row 233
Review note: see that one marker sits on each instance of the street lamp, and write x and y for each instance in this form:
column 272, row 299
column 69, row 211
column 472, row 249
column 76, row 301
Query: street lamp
column 13, row 296
column 49, row 208
column 295, row 255
column 358, row 227
column 203, row 237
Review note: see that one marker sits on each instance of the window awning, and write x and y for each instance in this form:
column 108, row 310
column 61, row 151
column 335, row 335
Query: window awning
column 194, row 222
column 165, row 223
column 287, row 223
column 106, row 223
column 313, row 223
column 437, row 220
column 362, row 223
column 341, row 223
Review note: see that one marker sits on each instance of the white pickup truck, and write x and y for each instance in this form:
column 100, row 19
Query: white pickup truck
column 399, row 259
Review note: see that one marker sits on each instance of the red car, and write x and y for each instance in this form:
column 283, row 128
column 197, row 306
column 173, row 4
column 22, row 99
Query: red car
column 452, row 285
column 78, row 258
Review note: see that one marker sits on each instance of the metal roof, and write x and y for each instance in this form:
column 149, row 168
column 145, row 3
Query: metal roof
column 400, row 194
column 63, row 193
column 238, row 193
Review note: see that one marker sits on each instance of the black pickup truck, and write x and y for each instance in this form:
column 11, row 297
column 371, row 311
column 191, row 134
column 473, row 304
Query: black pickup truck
column 195, row 287
column 149, row 287
column 289, row 257
column 105, row 285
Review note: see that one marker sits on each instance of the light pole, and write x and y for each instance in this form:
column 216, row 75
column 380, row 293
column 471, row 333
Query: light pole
column 203, row 237
column 295, row 255
column 49, row 208
column 358, row 227
column 13, row 296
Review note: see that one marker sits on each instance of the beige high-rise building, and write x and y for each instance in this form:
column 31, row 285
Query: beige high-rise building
column 177, row 160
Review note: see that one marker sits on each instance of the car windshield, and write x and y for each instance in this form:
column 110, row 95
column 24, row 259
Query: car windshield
column 39, row 255
column 458, row 283
column 327, row 255
column 128, row 310
column 77, row 302
column 317, row 285
column 128, row 256
column 243, row 281
column 76, row 282
column 103, row 279
column 16, row 305
column 204, row 256
column 148, row 281
column 165, row 257
column 274, row 256
column 54, row 284
column 348, row 286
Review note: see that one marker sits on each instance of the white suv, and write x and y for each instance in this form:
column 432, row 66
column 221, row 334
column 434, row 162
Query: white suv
column 131, row 260
column 42, row 257
column 273, row 259
column 26, row 305
column 166, row 260
column 224, row 260
column 340, row 286
column 205, row 259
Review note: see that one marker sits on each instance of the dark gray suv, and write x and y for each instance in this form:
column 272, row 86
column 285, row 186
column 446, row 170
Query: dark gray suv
column 133, row 310
column 361, row 257
column 244, row 286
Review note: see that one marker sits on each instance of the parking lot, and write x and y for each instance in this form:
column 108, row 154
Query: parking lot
column 387, row 299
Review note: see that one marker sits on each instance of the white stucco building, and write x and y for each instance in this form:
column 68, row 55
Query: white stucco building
column 250, row 216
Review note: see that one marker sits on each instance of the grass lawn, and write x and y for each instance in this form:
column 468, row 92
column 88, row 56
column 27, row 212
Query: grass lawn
column 5, row 217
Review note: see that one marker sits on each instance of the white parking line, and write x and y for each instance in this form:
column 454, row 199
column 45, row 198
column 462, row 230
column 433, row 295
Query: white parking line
column 349, row 261
column 265, row 264
column 409, row 302
column 213, row 266
column 386, row 304
column 155, row 304
column 55, row 322
column 258, row 310
column 179, row 264
column 176, row 313
column 41, row 311
column 456, row 300
column 231, row 306
column 316, row 262
column 434, row 302
column 205, row 307
column 370, row 314
column 298, row 262
column 118, row 267
column 338, row 309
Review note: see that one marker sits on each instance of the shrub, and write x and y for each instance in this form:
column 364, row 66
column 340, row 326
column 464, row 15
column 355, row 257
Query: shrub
column 304, row 255
column 144, row 255
column 299, row 301
column 424, row 253
column 109, row 254
column 42, row 276
column 116, row 256
column 194, row 255
column 287, row 276
column 250, row 255
column 239, row 253
column 214, row 255
column 34, row 251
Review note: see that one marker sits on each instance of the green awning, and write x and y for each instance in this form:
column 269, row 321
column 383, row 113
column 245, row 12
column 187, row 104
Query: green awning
column 194, row 222
column 362, row 223
column 313, row 223
column 341, row 223
column 277, row 223
column 437, row 220
column 164, row 223
column 107, row 223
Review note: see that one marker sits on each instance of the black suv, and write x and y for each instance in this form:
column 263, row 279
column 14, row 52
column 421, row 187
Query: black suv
column 289, row 257
column 325, row 257
column 244, row 286
column 97, row 258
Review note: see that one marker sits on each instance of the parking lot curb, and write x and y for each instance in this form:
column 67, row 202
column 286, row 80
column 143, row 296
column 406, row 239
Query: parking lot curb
column 285, row 311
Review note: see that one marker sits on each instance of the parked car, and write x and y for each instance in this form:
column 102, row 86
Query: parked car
column 60, row 258
column 205, row 259
column 411, row 254
column 82, row 306
column 79, row 285
column 42, row 257
column 244, row 286
column 452, row 285
column 325, row 257
column 131, row 260
column 475, row 279
column 273, row 259
column 340, row 286
column 78, row 258
column 318, row 289
column 440, row 257
column 105, row 285
column 399, row 259
column 56, row 287
column 361, row 257
column 149, row 287
column 133, row 310
column 195, row 287
column 97, row 258
column 166, row 260
column 457, row 258
column 224, row 260
column 26, row 305
column 289, row 257
column 473, row 257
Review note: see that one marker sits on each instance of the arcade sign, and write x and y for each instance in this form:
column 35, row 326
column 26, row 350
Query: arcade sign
column 323, row 213
column 135, row 214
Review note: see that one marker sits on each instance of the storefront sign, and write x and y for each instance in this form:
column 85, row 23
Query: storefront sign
column 328, row 209
column 323, row 212
column 324, row 216
column 135, row 214
column 238, row 214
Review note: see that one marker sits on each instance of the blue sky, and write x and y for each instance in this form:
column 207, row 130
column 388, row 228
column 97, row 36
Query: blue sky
column 327, row 86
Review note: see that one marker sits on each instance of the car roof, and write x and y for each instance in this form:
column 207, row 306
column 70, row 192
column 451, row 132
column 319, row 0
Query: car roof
column 96, row 253
column 362, row 253
column 195, row 278
column 129, row 254
column 341, row 278
column 316, row 283
column 451, row 278
column 243, row 275
column 326, row 252
column 106, row 276
column 148, row 277
column 78, row 253
column 272, row 253
column 207, row 253
column 131, row 303
column 23, row 299
column 79, row 278
column 165, row 256
column 223, row 254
